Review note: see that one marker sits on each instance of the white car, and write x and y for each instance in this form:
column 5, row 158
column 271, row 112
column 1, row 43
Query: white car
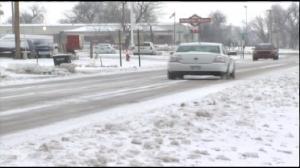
column 145, row 48
column 201, row 59
column 104, row 48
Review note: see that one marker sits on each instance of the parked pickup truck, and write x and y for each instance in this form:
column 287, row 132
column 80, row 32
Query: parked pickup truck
column 265, row 50
column 33, row 45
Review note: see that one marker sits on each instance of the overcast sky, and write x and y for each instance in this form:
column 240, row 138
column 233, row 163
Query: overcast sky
column 235, row 11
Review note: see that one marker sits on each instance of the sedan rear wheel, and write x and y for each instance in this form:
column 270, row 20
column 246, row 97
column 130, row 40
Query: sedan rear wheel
column 226, row 75
column 171, row 75
column 232, row 75
column 180, row 76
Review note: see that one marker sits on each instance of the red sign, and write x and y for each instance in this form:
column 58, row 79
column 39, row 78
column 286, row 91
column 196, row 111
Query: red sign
column 195, row 30
column 194, row 20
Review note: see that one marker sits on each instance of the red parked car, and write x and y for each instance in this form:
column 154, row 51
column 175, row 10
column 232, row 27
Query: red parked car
column 265, row 50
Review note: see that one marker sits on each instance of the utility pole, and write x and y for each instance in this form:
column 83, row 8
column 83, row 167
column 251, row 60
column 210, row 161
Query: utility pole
column 123, row 15
column 12, row 18
column 174, row 29
column 17, row 31
column 132, row 25
column 271, row 27
column 246, row 27
column 120, row 48
column 138, row 40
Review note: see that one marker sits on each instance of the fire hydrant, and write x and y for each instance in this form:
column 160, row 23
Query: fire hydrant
column 127, row 56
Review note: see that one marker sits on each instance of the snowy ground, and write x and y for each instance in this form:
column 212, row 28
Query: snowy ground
column 23, row 71
column 253, row 122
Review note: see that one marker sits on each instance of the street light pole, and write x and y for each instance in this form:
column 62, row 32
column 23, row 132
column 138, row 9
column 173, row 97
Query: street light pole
column 246, row 28
column 132, row 25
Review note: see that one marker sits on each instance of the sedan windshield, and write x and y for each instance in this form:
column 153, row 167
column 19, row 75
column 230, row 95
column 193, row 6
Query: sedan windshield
column 202, row 48
column 264, row 46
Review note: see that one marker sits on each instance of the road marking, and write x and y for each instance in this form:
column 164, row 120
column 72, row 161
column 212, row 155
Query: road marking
column 59, row 90
column 262, row 67
column 94, row 97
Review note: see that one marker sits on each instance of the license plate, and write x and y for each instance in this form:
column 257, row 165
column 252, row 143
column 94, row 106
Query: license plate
column 195, row 67
column 44, row 52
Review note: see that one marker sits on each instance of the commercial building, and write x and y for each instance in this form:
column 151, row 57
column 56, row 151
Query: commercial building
column 158, row 33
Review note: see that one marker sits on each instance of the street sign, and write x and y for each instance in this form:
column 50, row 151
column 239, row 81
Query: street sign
column 194, row 20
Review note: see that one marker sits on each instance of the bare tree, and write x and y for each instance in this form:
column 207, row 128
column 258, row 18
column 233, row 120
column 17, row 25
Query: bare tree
column 34, row 15
column 84, row 12
column 145, row 11
column 260, row 26
column 110, row 12
column 285, row 26
column 279, row 18
column 293, row 25
column 216, row 30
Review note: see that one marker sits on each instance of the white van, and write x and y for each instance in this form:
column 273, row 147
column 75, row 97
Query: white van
column 145, row 48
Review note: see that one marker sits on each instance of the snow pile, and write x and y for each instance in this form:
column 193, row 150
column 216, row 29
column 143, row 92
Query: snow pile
column 288, row 51
column 13, row 71
column 253, row 124
column 42, row 70
column 3, row 73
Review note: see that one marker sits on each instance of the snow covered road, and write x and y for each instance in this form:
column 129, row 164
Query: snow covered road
column 38, row 104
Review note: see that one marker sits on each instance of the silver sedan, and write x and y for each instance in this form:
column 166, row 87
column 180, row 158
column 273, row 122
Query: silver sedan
column 201, row 59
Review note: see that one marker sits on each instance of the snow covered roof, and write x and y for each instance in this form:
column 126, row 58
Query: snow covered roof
column 95, row 29
column 199, row 43
column 6, row 36
column 116, row 27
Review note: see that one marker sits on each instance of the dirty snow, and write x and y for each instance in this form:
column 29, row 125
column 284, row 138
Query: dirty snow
column 251, row 123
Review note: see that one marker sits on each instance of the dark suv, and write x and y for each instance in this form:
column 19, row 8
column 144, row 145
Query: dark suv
column 265, row 50
column 43, row 47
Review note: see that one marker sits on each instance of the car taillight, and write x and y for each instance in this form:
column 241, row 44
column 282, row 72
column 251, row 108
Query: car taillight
column 220, row 59
column 175, row 59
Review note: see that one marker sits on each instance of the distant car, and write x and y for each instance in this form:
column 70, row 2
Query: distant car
column 232, row 52
column 201, row 59
column 104, row 48
column 265, row 50
column 145, row 48
column 163, row 47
